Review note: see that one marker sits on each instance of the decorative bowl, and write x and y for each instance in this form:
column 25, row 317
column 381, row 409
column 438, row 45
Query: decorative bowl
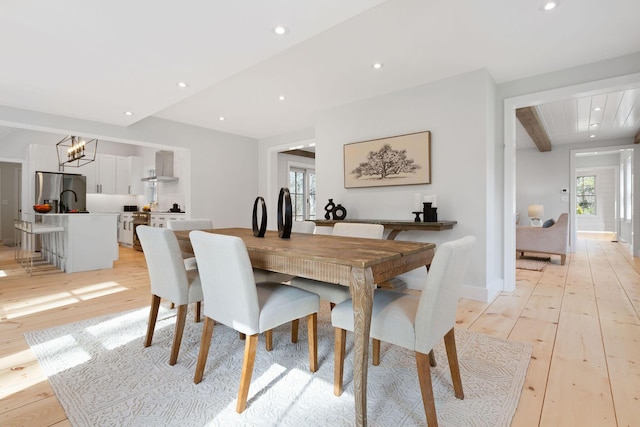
column 42, row 208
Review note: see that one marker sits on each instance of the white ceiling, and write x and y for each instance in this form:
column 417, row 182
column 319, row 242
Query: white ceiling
column 95, row 60
column 614, row 115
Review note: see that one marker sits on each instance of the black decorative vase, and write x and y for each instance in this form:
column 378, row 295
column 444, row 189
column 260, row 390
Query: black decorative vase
column 329, row 207
column 259, row 232
column 339, row 212
column 285, row 219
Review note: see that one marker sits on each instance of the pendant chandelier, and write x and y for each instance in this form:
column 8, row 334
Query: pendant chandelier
column 74, row 151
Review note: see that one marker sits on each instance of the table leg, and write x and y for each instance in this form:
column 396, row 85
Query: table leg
column 362, row 287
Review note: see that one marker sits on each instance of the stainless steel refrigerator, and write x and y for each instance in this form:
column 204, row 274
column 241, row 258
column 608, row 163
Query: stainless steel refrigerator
column 63, row 191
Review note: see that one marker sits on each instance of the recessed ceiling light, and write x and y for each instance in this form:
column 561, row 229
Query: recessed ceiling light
column 595, row 124
column 281, row 98
column 280, row 30
column 597, row 109
column 221, row 118
column 592, row 136
column 128, row 113
column 377, row 65
column 182, row 84
column 550, row 5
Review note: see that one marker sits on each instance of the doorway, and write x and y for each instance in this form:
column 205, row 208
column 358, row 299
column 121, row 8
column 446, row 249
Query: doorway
column 533, row 99
column 10, row 198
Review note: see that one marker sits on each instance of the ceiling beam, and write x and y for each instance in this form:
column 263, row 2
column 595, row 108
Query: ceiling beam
column 531, row 122
column 637, row 138
column 301, row 153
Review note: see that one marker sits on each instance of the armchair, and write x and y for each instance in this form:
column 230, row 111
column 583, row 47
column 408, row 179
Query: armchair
column 551, row 240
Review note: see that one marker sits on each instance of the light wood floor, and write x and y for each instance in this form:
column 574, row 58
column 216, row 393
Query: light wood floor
column 581, row 318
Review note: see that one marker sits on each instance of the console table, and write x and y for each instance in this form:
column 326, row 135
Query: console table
column 396, row 226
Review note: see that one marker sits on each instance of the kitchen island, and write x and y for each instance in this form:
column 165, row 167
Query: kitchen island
column 89, row 241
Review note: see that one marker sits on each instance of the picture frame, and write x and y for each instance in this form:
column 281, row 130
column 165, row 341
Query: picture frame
column 407, row 161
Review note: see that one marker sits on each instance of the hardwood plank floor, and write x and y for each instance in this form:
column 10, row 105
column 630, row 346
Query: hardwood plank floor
column 581, row 318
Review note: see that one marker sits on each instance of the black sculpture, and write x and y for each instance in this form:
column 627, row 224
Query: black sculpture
column 284, row 223
column 263, row 224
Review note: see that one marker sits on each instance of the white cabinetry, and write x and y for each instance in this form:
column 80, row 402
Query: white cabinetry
column 101, row 174
column 125, row 229
column 111, row 174
column 129, row 175
column 160, row 219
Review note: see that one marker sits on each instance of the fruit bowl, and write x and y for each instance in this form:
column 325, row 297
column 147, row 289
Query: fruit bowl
column 42, row 208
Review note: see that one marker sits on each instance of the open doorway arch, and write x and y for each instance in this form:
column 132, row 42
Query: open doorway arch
column 533, row 99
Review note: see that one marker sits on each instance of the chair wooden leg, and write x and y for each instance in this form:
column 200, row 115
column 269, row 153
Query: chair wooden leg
column 432, row 359
column 376, row 352
column 294, row 330
column 205, row 343
column 247, row 370
column 172, row 306
column 312, row 336
column 563, row 259
column 181, row 319
column 153, row 316
column 198, row 312
column 426, row 388
column 452, row 356
column 268, row 340
column 338, row 363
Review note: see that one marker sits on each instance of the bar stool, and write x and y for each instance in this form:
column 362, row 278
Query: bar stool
column 51, row 244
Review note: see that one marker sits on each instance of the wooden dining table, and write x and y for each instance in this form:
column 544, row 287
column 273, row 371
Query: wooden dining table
column 354, row 262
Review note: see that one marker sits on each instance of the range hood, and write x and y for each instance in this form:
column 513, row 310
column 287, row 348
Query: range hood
column 164, row 168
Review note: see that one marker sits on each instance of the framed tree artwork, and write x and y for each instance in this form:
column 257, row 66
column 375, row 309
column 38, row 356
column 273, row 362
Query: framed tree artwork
column 397, row 160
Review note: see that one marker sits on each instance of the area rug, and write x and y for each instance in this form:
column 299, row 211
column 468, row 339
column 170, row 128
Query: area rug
column 531, row 264
column 103, row 376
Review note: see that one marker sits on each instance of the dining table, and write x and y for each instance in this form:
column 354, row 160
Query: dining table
column 357, row 263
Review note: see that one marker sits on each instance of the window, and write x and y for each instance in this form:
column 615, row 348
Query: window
column 302, row 186
column 586, row 195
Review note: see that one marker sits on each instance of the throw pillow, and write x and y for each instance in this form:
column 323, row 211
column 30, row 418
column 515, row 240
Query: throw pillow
column 548, row 223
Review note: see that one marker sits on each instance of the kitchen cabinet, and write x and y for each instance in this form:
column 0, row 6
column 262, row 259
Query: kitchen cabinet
column 101, row 174
column 129, row 175
column 111, row 174
column 160, row 219
column 125, row 229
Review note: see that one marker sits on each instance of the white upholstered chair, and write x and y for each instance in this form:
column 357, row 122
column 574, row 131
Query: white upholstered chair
column 307, row 227
column 170, row 280
column 331, row 292
column 415, row 322
column 234, row 299
column 189, row 224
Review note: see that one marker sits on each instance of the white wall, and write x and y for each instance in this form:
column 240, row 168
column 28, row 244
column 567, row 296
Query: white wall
column 459, row 113
column 539, row 180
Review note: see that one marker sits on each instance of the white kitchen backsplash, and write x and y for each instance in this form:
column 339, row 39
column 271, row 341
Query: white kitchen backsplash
column 112, row 203
column 168, row 194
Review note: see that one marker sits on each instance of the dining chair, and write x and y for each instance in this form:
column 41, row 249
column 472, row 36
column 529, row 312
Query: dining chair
column 233, row 298
column 189, row 224
column 306, row 227
column 331, row 292
column 170, row 280
column 415, row 322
